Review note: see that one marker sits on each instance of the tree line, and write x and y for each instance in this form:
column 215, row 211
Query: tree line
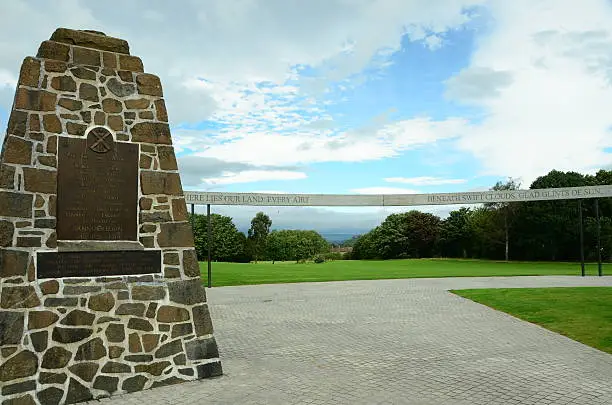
column 539, row 230
column 542, row 230
column 260, row 243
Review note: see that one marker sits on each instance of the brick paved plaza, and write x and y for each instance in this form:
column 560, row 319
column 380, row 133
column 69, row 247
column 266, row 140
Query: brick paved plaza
column 388, row 342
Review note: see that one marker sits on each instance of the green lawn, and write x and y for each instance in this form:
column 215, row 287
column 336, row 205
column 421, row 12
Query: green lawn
column 580, row 313
column 289, row 272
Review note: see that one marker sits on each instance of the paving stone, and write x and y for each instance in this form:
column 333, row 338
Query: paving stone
column 387, row 342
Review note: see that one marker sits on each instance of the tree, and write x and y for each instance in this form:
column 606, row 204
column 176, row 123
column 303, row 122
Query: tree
column 507, row 210
column 228, row 242
column 456, row 234
column 295, row 245
column 409, row 234
column 258, row 233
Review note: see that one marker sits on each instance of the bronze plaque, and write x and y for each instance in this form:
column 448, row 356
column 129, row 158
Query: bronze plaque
column 97, row 188
column 96, row 264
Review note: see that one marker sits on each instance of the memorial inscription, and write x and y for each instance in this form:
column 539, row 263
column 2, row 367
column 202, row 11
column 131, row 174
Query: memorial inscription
column 115, row 263
column 97, row 190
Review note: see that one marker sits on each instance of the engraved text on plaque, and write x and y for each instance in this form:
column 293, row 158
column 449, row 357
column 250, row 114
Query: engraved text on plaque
column 97, row 188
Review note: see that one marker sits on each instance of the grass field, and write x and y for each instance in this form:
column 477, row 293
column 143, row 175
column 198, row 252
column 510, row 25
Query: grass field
column 580, row 313
column 224, row 274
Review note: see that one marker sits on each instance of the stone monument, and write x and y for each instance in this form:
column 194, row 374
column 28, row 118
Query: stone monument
column 100, row 289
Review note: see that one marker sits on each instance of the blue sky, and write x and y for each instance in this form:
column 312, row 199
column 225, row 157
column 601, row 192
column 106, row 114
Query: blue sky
column 365, row 96
column 409, row 84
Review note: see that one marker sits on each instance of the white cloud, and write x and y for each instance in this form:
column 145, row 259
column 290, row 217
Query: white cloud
column 384, row 190
column 237, row 42
column 249, row 176
column 553, row 113
column 301, row 147
column 424, row 181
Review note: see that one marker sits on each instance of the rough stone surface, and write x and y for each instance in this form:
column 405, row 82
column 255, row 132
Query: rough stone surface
column 56, row 357
column 139, row 358
column 76, row 325
column 78, row 317
column 134, row 343
column 85, row 56
column 169, row 314
column 131, row 63
column 202, row 321
column 191, row 267
column 41, row 319
column 20, row 400
column 88, row 92
column 85, row 371
column 140, row 324
column 23, row 364
column 30, row 72
column 50, row 396
column 17, row 150
column 135, row 383
column 151, row 132
column 149, row 84
column 61, row 302
column 113, row 367
column 70, row 335
column 106, row 383
column 49, row 287
column 201, row 349
column 35, row 100
column 136, row 309
column 39, row 340
column 77, row 392
column 7, row 177
column 175, row 234
column 92, row 350
column 154, row 368
column 11, row 327
column 149, row 341
column 16, row 204
column 13, row 262
column 181, row 329
column 63, row 83
column 115, row 351
column 169, row 349
column 83, row 73
column 90, row 40
column 19, row 297
column 40, row 180
column 148, row 293
column 102, row 302
column 19, row 387
column 188, row 292
column 52, row 378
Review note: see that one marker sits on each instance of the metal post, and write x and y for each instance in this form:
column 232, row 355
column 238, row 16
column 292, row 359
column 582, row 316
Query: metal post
column 581, row 238
column 209, row 245
column 599, row 270
column 192, row 216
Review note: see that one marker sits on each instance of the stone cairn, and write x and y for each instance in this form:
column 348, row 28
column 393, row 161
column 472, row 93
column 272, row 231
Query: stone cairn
column 100, row 290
